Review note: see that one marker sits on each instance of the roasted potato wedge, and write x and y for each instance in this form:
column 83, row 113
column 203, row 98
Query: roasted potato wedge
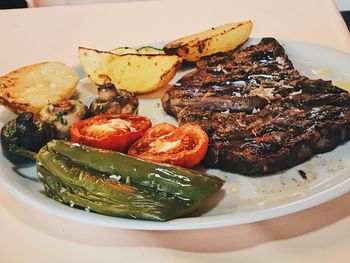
column 217, row 39
column 138, row 73
column 32, row 87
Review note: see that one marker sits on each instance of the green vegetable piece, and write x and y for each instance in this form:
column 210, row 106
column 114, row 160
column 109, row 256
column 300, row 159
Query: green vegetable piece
column 78, row 186
column 22, row 137
column 123, row 50
column 183, row 183
column 148, row 50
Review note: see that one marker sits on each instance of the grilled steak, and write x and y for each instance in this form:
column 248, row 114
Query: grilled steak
column 260, row 113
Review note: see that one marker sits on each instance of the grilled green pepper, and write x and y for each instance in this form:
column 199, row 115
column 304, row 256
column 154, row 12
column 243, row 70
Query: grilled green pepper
column 185, row 183
column 22, row 137
column 98, row 192
column 123, row 186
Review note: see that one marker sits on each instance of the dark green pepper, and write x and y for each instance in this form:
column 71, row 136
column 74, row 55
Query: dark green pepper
column 22, row 137
column 115, row 184
column 95, row 191
column 185, row 183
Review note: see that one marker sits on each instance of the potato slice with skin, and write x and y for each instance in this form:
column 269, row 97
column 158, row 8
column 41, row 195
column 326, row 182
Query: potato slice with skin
column 138, row 73
column 32, row 87
column 218, row 39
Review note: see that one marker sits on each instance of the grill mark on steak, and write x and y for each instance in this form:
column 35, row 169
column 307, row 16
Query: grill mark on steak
column 261, row 115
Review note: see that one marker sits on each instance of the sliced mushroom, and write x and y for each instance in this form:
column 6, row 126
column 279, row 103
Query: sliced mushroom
column 111, row 100
column 62, row 115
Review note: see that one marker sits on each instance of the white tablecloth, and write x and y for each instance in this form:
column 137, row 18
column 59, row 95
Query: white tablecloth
column 320, row 234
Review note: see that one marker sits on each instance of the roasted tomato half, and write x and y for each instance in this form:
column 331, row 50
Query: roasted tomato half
column 165, row 143
column 110, row 131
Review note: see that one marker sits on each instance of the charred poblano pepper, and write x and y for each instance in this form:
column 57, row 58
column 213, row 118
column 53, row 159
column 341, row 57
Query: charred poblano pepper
column 119, row 185
column 22, row 137
column 95, row 191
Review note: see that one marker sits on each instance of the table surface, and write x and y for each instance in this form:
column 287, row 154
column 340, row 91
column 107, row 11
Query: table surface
column 319, row 234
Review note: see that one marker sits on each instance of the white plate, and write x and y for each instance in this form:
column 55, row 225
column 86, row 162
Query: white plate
column 243, row 199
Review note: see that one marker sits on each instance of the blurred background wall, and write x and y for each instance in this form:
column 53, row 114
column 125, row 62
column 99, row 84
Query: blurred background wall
column 343, row 5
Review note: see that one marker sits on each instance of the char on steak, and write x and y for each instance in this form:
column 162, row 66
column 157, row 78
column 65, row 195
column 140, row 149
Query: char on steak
column 261, row 115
